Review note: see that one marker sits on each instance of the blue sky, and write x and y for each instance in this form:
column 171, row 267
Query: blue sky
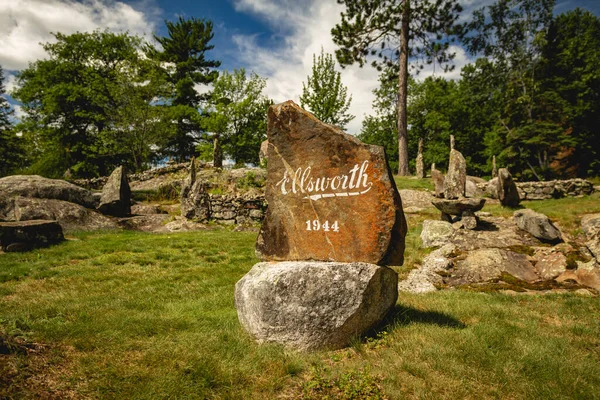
column 274, row 38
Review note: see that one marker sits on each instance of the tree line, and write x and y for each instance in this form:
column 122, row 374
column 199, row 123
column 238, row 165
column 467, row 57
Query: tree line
column 531, row 97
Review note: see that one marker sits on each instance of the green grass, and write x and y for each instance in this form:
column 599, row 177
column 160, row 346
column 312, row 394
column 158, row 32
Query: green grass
column 116, row 315
column 411, row 182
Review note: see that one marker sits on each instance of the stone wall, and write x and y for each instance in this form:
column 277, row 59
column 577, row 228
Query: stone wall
column 234, row 210
column 548, row 189
column 554, row 189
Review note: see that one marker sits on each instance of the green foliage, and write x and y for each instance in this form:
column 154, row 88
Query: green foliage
column 11, row 146
column 184, row 52
column 237, row 120
column 89, row 105
column 394, row 31
column 324, row 94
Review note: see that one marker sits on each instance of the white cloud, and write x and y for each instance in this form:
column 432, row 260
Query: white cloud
column 302, row 28
column 24, row 24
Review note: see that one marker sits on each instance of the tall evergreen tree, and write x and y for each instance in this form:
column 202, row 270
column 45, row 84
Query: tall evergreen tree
column 324, row 94
column 10, row 149
column 184, row 52
column 394, row 31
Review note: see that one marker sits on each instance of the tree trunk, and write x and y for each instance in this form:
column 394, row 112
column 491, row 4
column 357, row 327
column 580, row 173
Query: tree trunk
column 217, row 152
column 403, row 94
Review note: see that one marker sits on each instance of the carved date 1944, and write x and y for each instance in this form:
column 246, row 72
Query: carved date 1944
column 315, row 225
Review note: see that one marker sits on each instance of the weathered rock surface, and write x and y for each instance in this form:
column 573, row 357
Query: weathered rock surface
column 43, row 188
column 471, row 189
column 590, row 224
column 116, row 195
column 507, row 189
column 71, row 216
column 438, row 182
column 489, row 264
column 538, row 225
column 456, row 178
column 195, row 201
column 436, row 233
column 24, row 235
column 415, row 198
column 427, row 277
column 586, row 277
column 550, row 263
column 326, row 190
column 264, row 149
column 146, row 209
column 313, row 305
column 491, row 188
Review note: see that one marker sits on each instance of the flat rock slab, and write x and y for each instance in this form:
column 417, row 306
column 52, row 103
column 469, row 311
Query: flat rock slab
column 458, row 206
column 24, row 235
column 330, row 197
column 314, row 305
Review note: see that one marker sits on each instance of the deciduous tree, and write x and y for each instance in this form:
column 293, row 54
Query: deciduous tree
column 324, row 95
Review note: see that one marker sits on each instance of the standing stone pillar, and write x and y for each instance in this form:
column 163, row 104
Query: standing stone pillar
column 334, row 218
column 419, row 161
column 456, row 179
column 438, row 181
column 494, row 169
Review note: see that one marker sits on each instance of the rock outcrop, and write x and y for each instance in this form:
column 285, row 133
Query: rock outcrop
column 314, row 305
column 436, row 233
column 35, row 186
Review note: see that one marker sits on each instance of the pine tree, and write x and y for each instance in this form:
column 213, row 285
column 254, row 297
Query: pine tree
column 324, row 94
column 388, row 33
column 185, row 49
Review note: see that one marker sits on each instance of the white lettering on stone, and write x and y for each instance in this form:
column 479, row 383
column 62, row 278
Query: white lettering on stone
column 354, row 183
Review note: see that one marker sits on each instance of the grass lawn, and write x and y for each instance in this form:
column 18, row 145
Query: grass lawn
column 129, row 315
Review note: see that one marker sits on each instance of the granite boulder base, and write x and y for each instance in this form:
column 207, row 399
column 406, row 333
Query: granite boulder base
column 330, row 196
column 308, row 305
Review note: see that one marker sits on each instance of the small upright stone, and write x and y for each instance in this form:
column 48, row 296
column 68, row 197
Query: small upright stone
column 494, row 169
column 456, row 179
column 507, row 189
column 330, row 196
column 438, row 181
column 116, row 195
column 419, row 161
column 195, row 202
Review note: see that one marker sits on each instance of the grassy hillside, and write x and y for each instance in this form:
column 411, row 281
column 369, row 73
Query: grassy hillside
column 146, row 316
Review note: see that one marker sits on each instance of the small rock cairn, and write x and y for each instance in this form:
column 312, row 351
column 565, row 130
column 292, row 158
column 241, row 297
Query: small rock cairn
column 334, row 220
column 454, row 201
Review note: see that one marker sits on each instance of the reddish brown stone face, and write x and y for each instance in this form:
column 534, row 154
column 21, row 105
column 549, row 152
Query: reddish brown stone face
column 331, row 197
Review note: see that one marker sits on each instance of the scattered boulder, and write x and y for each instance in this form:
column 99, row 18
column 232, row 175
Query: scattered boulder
column 485, row 265
column 436, row 233
column 590, row 224
column 71, row 216
column 25, row 235
column 116, row 195
column 471, row 189
column 326, row 189
column 314, row 305
column 538, row 225
column 414, row 198
column 438, row 181
column 507, row 189
column 35, row 186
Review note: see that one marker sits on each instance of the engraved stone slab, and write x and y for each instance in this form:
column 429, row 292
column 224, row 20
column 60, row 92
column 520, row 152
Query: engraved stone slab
column 330, row 197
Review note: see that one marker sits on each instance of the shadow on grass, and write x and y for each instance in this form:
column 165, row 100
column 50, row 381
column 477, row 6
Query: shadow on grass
column 403, row 316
